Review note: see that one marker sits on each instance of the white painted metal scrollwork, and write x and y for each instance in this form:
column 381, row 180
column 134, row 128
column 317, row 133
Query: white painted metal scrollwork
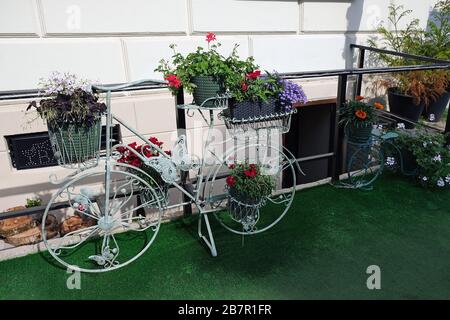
column 165, row 167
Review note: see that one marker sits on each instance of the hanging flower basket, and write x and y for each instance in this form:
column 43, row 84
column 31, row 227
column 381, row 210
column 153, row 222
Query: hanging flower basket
column 75, row 143
column 244, row 210
column 160, row 187
column 73, row 115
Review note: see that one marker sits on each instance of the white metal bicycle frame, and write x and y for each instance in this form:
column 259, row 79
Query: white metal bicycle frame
column 195, row 196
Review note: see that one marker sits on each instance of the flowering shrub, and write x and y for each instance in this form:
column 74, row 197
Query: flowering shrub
column 129, row 157
column 358, row 113
column 291, row 93
column 429, row 152
column 182, row 69
column 251, row 86
column 257, row 87
column 247, row 182
column 70, row 100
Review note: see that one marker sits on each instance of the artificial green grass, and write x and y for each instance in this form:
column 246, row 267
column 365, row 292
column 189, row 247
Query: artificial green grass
column 320, row 250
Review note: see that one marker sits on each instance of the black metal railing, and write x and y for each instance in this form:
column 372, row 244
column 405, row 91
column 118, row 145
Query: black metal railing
column 343, row 75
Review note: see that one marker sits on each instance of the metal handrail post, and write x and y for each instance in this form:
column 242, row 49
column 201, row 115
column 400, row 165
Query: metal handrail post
column 181, row 129
column 334, row 167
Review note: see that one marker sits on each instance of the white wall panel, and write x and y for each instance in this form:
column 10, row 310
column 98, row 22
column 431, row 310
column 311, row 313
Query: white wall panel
column 114, row 16
column 18, row 17
column 357, row 15
column 245, row 16
column 299, row 53
column 144, row 54
column 23, row 62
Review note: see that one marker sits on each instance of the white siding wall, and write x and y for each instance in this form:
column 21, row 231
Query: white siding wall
column 115, row 41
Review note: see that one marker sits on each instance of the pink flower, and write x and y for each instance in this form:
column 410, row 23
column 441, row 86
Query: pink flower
column 210, row 37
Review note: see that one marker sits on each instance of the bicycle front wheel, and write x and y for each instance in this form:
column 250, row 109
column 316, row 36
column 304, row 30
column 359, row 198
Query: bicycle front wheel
column 115, row 227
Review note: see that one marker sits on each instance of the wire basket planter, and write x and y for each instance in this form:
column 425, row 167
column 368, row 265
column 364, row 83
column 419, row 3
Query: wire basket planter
column 247, row 214
column 149, row 199
column 280, row 121
column 74, row 145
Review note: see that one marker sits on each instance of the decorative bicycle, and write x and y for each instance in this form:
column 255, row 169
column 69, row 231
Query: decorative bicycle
column 366, row 160
column 123, row 205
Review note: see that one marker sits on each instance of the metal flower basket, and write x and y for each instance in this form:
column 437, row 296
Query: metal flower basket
column 160, row 188
column 280, row 121
column 244, row 211
column 76, row 145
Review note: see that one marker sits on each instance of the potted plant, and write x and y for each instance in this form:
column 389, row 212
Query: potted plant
column 423, row 155
column 129, row 154
column 358, row 118
column 202, row 73
column 436, row 44
column 255, row 96
column 73, row 116
column 247, row 188
column 410, row 93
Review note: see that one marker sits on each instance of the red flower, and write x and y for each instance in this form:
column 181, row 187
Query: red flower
column 121, row 149
column 244, row 87
column 153, row 140
column 230, row 181
column 168, row 152
column 133, row 145
column 232, row 166
column 173, row 80
column 136, row 163
column 253, row 75
column 210, row 37
column 252, row 166
column 147, row 151
column 250, row 173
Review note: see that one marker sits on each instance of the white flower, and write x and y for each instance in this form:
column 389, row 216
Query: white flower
column 432, row 117
column 437, row 158
column 441, row 183
column 447, row 179
column 425, row 144
column 424, row 178
column 400, row 125
column 390, row 161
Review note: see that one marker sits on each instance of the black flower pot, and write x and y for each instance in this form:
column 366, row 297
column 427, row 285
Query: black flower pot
column 404, row 106
column 359, row 134
column 252, row 109
column 409, row 162
column 207, row 87
column 435, row 109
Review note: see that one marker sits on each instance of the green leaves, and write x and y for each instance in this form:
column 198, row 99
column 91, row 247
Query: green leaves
column 251, row 186
column 429, row 152
column 198, row 63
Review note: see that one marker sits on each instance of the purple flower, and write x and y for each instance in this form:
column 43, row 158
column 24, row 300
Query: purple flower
column 292, row 93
